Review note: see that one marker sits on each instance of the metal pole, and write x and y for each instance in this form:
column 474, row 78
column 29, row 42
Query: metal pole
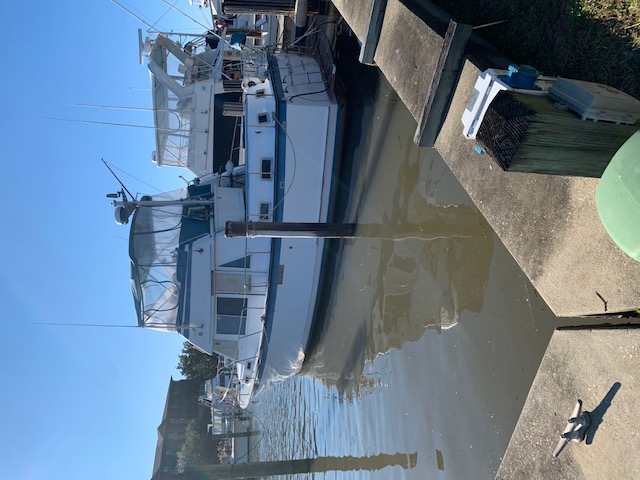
column 290, row 230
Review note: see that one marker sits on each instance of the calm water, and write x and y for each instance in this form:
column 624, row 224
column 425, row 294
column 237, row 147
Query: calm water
column 431, row 335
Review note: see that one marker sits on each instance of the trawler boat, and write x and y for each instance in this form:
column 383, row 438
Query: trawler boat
column 258, row 127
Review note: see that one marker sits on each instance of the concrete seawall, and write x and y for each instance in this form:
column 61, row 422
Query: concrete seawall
column 599, row 367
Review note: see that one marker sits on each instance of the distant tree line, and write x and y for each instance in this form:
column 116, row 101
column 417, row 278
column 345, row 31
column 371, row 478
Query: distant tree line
column 195, row 364
column 198, row 447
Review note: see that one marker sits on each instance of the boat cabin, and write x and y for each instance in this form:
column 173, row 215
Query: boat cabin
column 186, row 276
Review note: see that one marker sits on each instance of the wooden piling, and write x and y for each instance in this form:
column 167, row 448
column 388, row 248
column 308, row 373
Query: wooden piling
column 526, row 133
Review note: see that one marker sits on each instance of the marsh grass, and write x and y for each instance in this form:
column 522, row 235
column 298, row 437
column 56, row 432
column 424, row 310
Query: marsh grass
column 594, row 40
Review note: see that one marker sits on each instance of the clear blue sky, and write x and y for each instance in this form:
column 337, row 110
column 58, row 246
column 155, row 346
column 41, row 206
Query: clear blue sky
column 76, row 403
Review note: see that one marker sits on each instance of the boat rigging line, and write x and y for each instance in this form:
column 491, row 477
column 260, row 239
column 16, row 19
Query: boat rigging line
column 137, row 17
column 168, row 111
column 113, row 124
column 106, row 325
column 153, row 30
column 295, row 165
column 204, row 16
column 117, row 107
column 189, row 17
column 95, row 122
column 162, row 16
column 138, row 179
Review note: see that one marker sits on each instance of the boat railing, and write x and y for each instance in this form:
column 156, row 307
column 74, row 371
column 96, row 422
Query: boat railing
column 249, row 287
column 317, row 44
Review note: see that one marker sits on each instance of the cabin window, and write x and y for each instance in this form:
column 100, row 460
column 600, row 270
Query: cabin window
column 231, row 315
column 226, row 135
column 266, row 168
column 231, row 282
column 195, row 223
column 265, row 211
column 244, row 262
column 196, row 219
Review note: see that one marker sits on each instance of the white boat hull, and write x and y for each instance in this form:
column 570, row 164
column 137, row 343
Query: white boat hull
column 259, row 128
column 307, row 155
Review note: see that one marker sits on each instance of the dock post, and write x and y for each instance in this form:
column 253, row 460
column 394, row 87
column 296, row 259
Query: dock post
column 370, row 42
column 443, row 84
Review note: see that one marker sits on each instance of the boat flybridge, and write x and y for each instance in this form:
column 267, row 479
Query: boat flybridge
column 258, row 126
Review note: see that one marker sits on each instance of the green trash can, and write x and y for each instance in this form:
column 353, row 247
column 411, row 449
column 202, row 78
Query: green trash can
column 618, row 197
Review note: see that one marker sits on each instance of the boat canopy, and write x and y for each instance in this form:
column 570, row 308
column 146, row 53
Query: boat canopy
column 159, row 251
column 173, row 101
column 171, row 119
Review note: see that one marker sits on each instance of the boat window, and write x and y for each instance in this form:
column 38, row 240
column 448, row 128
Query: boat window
column 196, row 221
column 244, row 262
column 226, row 134
column 265, row 212
column 266, row 169
column 195, row 224
column 199, row 191
column 231, row 282
column 231, row 315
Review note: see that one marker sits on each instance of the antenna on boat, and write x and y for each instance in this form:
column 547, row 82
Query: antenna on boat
column 123, row 211
column 119, row 181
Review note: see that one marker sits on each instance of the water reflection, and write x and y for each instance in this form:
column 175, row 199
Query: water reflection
column 421, row 257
